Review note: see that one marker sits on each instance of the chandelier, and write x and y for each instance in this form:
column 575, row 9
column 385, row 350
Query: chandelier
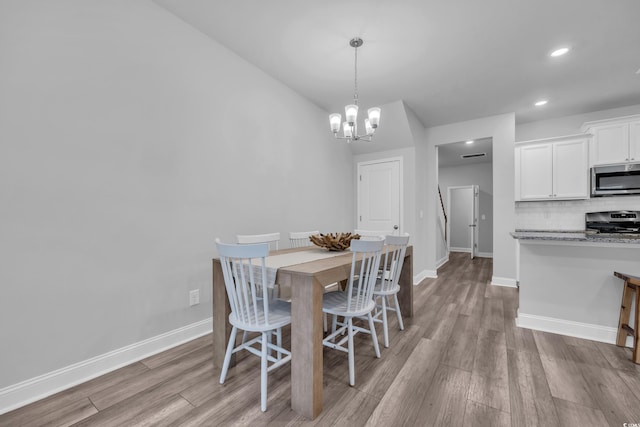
column 350, row 126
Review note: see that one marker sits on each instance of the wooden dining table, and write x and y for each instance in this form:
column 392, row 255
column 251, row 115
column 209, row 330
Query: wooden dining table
column 307, row 282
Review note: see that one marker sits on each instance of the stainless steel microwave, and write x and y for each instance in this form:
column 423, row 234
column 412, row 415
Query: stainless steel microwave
column 615, row 180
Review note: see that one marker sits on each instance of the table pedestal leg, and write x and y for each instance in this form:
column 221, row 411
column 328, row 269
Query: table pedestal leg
column 221, row 325
column 306, row 347
column 405, row 295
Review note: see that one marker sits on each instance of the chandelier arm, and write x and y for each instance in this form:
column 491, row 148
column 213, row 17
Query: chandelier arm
column 367, row 138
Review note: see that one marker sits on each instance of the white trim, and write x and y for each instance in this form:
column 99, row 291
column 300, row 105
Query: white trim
column 507, row 282
column 569, row 328
column 430, row 274
column 28, row 391
column 554, row 138
column 612, row 121
column 467, row 250
column 485, row 255
column 424, row 274
column 442, row 261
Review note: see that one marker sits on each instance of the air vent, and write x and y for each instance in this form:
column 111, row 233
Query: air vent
column 471, row 156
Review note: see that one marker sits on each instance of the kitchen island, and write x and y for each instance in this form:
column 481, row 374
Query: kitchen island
column 566, row 283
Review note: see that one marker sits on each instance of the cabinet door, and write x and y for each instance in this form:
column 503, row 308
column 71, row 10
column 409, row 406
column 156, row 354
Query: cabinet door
column 610, row 144
column 634, row 141
column 570, row 170
column 535, row 172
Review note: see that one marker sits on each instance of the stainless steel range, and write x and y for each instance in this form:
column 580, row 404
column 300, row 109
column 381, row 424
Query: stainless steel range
column 613, row 223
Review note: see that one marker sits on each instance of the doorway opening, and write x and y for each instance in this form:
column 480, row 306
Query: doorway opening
column 465, row 175
column 463, row 225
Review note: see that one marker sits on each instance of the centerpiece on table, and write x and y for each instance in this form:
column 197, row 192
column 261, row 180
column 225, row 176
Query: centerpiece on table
column 334, row 241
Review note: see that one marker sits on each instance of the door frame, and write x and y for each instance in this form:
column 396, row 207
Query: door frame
column 398, row 159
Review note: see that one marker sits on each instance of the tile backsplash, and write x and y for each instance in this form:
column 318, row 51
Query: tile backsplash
column 568, row 214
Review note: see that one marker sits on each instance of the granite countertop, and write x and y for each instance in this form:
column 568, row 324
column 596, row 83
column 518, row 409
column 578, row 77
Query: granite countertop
column 574, row 236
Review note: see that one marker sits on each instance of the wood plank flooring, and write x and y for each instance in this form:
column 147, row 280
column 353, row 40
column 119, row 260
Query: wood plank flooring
column 460, row 361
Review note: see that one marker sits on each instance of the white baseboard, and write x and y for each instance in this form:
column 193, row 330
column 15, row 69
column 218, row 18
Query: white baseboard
column 452, row 249
column 424, row 274
column 485, row 254
column 507, row 282
column 430, row 274
column 442, row 261
column 37, row 388
column 570, row 328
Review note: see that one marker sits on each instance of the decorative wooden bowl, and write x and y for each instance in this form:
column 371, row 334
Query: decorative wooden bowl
column 334, row 241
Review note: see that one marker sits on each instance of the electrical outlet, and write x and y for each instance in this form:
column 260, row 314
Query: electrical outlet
column 194, row 297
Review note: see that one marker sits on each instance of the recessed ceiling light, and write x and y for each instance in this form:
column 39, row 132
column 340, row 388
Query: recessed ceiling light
column 560, row 51
column 469, row 142
column 541, row 103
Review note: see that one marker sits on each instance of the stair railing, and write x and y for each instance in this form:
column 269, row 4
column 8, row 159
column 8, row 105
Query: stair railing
column 444, row 214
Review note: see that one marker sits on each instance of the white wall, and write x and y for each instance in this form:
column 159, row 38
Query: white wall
column 480, row 174
column 404, row 132
column 568, row 214
column 502, row 129
column 129, row 141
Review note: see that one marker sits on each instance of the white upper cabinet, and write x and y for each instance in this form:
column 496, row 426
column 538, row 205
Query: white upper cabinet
column 552, row 169
column 634, row 141
column 614, row 140
column 571, row 169
column 534, row 172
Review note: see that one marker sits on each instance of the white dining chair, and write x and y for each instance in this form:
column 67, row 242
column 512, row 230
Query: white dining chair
column 243, row 267
column 271, row 238
column 356, row 301
column 300, row 239
column 373, row 234
column 387, row 283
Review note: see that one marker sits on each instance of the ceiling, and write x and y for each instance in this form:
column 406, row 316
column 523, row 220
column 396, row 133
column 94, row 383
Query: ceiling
column 448, row 61
column 450, row 154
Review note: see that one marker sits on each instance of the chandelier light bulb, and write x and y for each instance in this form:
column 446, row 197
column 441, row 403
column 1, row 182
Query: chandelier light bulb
column 368, row 128
column 348, row 130
column 335, row 119
column 351, row 113
column 374, row 116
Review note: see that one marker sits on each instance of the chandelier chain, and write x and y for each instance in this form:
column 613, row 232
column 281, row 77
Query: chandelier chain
column 355, row 80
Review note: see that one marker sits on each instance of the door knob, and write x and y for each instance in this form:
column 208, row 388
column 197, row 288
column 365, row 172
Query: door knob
column 395, row 227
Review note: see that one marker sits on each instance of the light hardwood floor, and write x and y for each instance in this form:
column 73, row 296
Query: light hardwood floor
column 461, row 361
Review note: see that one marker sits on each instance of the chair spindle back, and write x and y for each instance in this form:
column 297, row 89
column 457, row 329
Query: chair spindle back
column 360, row 290
column 396, row 247
column 244, row 270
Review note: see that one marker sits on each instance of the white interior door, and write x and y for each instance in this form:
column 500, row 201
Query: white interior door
column 379, row 195
column 462, row 204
